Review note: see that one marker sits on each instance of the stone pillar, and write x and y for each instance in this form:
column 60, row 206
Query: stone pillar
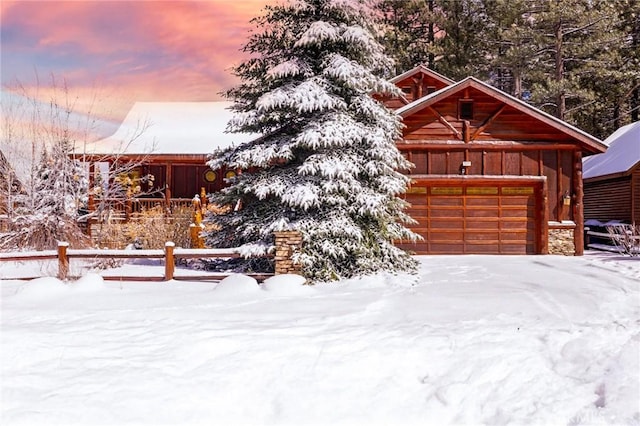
column 562, row 241
column 287, row 243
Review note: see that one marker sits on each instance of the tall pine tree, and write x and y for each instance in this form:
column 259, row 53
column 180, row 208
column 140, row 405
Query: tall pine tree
column 327, row 164
column 410, row 32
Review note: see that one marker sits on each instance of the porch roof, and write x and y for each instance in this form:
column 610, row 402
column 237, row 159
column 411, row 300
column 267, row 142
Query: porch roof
column 161, row 128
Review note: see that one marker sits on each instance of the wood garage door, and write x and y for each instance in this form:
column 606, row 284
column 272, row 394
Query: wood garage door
column 473, row 218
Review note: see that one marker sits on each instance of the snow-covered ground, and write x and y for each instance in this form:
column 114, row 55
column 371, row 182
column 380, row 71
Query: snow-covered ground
column 492, row 340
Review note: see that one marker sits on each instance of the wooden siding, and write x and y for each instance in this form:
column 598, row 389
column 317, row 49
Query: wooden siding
column 608, row 199
column 556, row 165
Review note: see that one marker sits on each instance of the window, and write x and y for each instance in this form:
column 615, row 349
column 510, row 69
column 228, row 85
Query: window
column 210, row 176
column 407, row 90
column 465, row 109
column 431, row 89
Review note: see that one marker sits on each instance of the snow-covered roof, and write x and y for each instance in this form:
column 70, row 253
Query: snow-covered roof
column 621, row 156
column 595, row 144
column 171, row 128
column 425, row 70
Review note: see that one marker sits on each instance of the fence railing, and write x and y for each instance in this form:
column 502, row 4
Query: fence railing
column 624, row 237
column 127, row 207
column 169, row 256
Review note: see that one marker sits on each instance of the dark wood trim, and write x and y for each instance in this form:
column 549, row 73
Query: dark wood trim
column 613, row 175
column 167, row 183
column 482, row 145
column 543, row 234
column 560, row 189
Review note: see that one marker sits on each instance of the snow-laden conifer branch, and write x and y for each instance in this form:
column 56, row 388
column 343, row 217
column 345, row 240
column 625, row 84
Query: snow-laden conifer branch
column 318, row 33
column 304, row 97
column 290, row 68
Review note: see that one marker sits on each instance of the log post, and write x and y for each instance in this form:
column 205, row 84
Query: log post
column 169, row 263
column 196, row 240
column 578, row 210
column 287, row 243
column 63, row 260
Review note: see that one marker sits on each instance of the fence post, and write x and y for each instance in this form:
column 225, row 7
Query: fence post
column 168, row 260
column 63, row 260
column 287, row 243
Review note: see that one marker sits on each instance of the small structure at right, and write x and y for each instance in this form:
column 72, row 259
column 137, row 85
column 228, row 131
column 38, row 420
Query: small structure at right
column 612, row 179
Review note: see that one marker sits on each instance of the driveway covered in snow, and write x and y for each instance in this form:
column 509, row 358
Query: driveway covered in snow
column 472, row 340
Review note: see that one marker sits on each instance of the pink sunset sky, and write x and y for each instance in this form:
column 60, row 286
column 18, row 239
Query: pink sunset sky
column 126, row 51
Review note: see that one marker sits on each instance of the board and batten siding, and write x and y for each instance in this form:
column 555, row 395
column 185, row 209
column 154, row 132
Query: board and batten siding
column 556, row 165
column 609, row 200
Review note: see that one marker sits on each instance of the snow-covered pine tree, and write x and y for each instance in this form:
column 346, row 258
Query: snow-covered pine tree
column 326, row 164
column 48, row 210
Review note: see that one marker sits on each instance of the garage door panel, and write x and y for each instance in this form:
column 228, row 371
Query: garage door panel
column 517, row 223
column 483, row 223
column 514, row 235
column 446, row 236
column 476, row 212
column 516, row 212
column 446, row 213
column 446, row 201
column 482, row 201
column 516, row 249
column 446, row 223
column 415, row 247
column 513, row 200
column 476, row 248
column 446, row 248
column 482, row 235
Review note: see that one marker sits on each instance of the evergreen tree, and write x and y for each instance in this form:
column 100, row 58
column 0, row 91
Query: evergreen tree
column 410, row 32
column 568, row 36
column 326, row 164
column 466, row 48
column 615, row 74
column 513, row 49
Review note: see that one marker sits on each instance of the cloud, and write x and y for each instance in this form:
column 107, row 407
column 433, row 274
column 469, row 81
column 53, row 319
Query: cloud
column 145, row 50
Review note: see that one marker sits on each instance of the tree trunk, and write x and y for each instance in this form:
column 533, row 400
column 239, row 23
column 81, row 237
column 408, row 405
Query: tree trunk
column 560, row 97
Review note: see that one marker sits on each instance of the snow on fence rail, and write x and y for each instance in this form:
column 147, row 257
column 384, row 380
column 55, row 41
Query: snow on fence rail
column 624, row 237
column 169, row 255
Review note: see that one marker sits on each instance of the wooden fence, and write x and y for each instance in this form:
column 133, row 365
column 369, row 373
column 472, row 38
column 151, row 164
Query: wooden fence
column 169, row 255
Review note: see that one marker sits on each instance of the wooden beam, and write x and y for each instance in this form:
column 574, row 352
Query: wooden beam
column 488, row 122
column 63, row 260
column 543, row 233
column 169, row 261
column 445, row 122
column 466, row 128
column 578, row 208
column 481, row 146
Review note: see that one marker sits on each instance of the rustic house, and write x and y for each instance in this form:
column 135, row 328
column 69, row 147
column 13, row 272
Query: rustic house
column 167, row 143
column 492, row 174
column 612, row 179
